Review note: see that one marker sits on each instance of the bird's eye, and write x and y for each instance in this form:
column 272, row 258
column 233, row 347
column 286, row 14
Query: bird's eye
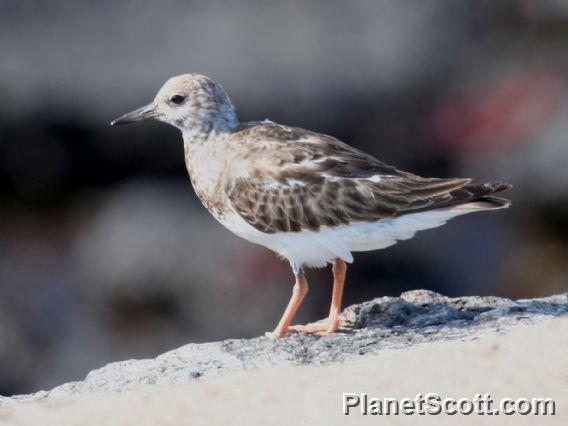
column 177, row 99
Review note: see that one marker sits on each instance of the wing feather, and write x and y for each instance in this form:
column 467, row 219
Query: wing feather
column 309, row 181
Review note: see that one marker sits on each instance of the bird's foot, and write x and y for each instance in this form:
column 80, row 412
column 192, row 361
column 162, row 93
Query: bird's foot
column 324, row 327
column 278, row 334
column 272, row 335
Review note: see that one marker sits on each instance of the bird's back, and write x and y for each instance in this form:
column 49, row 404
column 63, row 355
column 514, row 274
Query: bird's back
column 286, row 179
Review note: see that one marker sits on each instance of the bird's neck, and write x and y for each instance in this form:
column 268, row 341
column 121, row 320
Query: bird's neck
column 211, row 125
column 205, row 157
column 205, row 160
column 206, row 133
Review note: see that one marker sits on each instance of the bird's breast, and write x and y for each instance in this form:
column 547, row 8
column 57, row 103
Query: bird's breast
column 206, row 166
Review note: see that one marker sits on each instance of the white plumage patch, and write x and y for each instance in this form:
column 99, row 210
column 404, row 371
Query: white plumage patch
column 316, row 249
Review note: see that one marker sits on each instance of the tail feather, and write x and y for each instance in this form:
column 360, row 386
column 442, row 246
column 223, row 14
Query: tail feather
column 483, row 189
column 471, row 197
column 482, row 199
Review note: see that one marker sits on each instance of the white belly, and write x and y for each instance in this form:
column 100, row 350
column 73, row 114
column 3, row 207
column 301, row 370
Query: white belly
column 316, row 249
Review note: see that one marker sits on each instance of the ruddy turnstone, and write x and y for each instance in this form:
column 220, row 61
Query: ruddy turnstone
column 307, row 196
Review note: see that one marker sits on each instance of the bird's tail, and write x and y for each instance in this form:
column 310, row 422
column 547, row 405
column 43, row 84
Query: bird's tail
column 482, row 198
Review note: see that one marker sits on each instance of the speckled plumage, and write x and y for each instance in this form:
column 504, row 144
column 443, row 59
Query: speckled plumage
column 297, row 180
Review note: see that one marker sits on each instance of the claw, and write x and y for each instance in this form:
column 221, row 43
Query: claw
column 272, row 336
column 275, row 335
column 323, row 326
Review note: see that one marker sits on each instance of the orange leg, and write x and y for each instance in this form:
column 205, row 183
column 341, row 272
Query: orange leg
column 299, row 292
column 331, row 324
column 339, row 271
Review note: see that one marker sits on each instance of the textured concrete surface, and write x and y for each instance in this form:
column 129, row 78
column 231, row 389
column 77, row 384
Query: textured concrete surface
column 369, row 328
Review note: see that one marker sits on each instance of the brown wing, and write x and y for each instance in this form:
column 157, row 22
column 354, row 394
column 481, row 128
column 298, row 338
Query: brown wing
column 315, row 180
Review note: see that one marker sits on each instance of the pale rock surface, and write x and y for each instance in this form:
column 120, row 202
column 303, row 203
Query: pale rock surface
column 368, row 329
column 421, row 342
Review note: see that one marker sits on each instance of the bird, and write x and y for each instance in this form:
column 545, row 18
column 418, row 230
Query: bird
column 309, row 197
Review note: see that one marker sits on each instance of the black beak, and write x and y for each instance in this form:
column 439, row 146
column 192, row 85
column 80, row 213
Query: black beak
column 145, row 113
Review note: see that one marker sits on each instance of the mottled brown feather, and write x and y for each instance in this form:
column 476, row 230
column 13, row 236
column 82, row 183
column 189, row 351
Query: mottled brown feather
column 308, row 180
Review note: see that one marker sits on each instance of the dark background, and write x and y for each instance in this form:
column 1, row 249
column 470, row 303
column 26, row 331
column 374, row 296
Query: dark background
column 105, row 252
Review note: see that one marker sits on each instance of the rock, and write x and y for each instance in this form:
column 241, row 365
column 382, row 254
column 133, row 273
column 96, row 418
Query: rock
column 414, row 318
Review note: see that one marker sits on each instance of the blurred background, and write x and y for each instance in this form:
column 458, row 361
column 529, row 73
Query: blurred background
column 105, row 252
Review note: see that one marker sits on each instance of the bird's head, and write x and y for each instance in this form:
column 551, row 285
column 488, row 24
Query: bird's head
column 190, row 102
